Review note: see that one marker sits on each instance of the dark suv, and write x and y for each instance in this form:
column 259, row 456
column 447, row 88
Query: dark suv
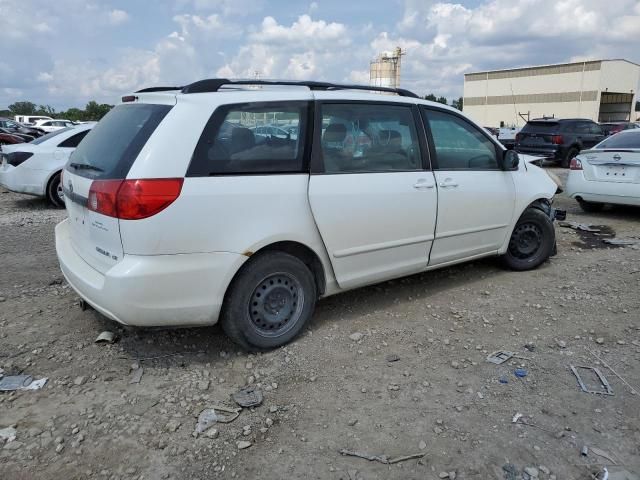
column 558, row 140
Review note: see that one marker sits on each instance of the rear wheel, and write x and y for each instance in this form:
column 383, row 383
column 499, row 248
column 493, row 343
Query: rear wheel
column 571, row 153
column 54, row 193
column 269, row 301
column 590, row 207
column 532, row 241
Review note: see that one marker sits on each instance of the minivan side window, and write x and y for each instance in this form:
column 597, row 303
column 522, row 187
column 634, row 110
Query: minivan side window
column 458, row 144
column 238, row 140
column 358, row 137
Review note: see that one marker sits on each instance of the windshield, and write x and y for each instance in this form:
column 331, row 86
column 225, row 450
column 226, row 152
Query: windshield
column 49, row 136
column 624, row 139
column 114, row 143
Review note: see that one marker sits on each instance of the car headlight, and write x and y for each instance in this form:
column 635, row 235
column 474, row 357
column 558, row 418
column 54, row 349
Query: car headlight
column 556, row 180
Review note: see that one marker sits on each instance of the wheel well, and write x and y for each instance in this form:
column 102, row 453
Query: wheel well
column 50, row 180
column 542, row 204
column 305, row 254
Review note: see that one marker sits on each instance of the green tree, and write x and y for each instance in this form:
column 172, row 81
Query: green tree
column 431, row 97
column 442, row 100
column 95, row 111
column 73, row 114
column 22, row 108
column 457, row 103
column 46, row 110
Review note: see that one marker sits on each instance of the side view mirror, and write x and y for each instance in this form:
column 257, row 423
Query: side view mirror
column 510, row 160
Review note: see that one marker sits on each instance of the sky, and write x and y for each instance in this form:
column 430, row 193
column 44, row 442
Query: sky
column 64, row 53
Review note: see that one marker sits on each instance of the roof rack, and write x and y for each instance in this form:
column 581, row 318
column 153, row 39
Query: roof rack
column 157, row 89
column 214, row 85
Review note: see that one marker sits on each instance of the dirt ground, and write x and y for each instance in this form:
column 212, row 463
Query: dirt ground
column 326, row 391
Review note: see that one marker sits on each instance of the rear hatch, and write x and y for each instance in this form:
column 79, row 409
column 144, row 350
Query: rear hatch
column 539, row 134
column 95, row 171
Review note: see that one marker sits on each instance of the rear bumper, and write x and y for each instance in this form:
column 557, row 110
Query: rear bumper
column 546, row 152
column 22, row 180
column 618, row 193
column 151, row 291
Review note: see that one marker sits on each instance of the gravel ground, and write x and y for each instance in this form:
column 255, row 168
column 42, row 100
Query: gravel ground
column 393, row 369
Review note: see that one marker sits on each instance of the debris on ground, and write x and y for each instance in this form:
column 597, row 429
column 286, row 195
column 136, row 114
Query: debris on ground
column 520, row 372
column 579, row 226
column 242, row 444
column 603, row 454
column 600, row 385
column 516, row 417
column 250, row 396
column 136, row 375
column 225, row 414
column 21, row 382
column 621, row 241
column 8, row 434
column 500, row 357
column 392, row 357
column 634, row 390
column 106, row 337
column 381, row 458
column 206, row 419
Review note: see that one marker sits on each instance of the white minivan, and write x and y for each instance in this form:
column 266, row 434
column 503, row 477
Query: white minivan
column 180, row 214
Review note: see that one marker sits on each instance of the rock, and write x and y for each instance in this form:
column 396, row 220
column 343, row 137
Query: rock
column 452, row 475
column 249, row 366
column 544, row 469
column 561, row 343
column 437, row 430
column 242, row 444
column 352, row 422
column 75, row 430
column 455, row 364
column 443, row 475
column 599, row 340
column 446, row 341
column 531, row 471
column 621, row 342
column 393, row 386
column 211, row 433
column 59, row 440
column 172, row 425
column 15, row 445
column 273, row 409
column 79, row 381
column 204, row 385
column 356, row 337
column 3, row 299
column 59, row 448
column 422, row 445
column 392, row 357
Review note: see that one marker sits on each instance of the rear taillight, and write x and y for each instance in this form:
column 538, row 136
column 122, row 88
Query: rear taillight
column 557, row 140
column 575, row 164
column 133, row 199
column 17, row 158
column 518, row 137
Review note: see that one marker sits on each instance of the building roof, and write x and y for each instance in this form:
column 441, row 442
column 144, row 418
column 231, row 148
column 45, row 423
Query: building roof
column 552, row 65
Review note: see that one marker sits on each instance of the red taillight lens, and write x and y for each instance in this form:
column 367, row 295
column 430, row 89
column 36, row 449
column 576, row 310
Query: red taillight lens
column 518, row 137
column 575, row 164
column 557, row 139
column 133, row 199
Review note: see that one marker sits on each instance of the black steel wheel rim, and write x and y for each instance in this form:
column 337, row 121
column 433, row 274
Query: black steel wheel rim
column 526, row 241
column 276, row 304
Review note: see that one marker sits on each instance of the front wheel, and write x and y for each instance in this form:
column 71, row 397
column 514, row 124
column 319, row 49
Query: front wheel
column 54, row 192
column 532, row 241
column 269, row 301
column 571, row 153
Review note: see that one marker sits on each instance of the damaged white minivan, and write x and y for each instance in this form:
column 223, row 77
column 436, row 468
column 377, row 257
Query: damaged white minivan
column 246, row 201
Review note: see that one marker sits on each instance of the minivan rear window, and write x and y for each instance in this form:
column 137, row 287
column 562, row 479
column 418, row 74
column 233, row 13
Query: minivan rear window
column 541, row 127
column 114, row 143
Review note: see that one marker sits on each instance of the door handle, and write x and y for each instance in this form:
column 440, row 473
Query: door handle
column 422, row 186
column 448, row 185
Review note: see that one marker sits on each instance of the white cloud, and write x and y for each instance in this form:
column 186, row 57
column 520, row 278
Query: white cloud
column 118, row 17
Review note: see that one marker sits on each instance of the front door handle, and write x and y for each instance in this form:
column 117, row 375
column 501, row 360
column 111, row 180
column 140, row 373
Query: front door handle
column 448, row 184
column 423, row 183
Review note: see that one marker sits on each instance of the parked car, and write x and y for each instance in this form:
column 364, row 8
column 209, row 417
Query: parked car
column 612, row 128
column 35, row 168
column 493, row 131
column 507, row 136
column 53, row 125
column 14, row 127
column 22, row 136
column 268, row 131
column 558, row 139
column 30, row 119
column 608, row 173
column 9, row 139
column 179, row 216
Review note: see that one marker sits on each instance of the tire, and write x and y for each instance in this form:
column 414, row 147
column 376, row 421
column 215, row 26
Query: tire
column 590, row 207
column 571, row 153
column 54, row 192
column 532, row 241
column 269, row 302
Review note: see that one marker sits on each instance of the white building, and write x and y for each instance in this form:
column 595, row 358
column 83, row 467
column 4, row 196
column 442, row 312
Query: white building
column 602, row 90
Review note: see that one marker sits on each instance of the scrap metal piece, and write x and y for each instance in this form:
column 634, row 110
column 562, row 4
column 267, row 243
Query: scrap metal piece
column 106, row 337
column 606, row 388
column 579, row 226
column 620, row 241
column 15, row 382
column 499, row 357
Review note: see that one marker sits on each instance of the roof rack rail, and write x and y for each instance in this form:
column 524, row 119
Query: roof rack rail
column 157, row 89
column 214, row 85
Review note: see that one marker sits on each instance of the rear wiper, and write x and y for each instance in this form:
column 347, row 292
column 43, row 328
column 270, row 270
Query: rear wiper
column 85, row 166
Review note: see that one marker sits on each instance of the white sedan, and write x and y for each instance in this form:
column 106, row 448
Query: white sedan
column 53, row 125
column 34, row 168
column 607, row 173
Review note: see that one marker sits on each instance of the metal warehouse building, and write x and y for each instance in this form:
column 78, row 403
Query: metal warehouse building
column 602, row 90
